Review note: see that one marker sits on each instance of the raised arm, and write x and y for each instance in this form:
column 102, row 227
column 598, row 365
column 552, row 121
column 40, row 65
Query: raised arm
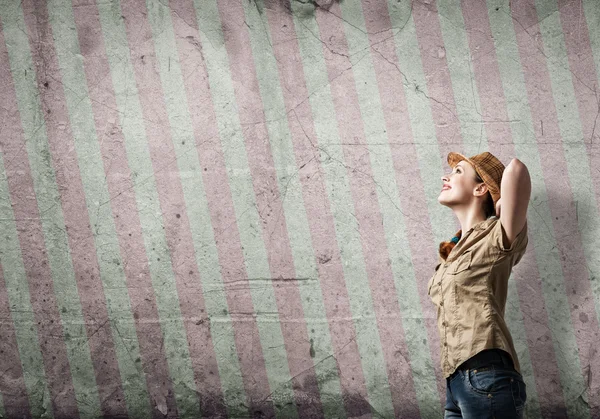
column 515, row 191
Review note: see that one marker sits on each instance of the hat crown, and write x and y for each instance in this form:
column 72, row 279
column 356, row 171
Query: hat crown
column 487, row 166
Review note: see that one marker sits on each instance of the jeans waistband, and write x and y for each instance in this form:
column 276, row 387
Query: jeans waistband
column 488, row 357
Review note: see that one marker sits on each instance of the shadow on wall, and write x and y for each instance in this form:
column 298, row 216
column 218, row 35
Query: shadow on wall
column 576, row 213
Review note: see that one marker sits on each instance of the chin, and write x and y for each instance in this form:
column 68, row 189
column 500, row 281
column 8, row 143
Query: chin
column 446, row 202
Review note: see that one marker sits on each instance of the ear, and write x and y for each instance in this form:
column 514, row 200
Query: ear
column 481, row 189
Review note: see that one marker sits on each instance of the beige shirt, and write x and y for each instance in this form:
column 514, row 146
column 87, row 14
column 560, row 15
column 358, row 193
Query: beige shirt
column 469, row 289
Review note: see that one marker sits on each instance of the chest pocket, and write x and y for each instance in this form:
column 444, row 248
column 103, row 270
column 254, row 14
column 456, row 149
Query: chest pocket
column 461, row 264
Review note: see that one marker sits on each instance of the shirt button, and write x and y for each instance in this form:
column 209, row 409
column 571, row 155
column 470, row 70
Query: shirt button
column 441, row 303
column 444, row 324
column 445, row 344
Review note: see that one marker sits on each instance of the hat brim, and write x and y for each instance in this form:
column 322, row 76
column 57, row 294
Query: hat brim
column 454, row 158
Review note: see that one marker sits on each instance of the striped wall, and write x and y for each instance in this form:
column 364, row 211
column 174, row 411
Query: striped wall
column 228, row 208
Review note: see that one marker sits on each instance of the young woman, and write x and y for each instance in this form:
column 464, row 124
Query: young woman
column 469, row 287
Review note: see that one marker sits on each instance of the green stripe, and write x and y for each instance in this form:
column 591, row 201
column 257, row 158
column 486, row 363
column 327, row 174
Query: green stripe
column 539, row 215
column 468, row 113
column 244, row 201
column 432, row 164
column 523, row 134
column 428, row 397
column 21, row 311
column 51, row 216
column 462, row 76
column 579, row 171
column 514, row 320
column 99, row 208
column 190, row 171
column 294, row 210
column 157, row 250
column 451, row 19
column 340, row 198
column 592, row 16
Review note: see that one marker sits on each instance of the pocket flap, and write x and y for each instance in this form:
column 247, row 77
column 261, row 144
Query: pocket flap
column 461, row 264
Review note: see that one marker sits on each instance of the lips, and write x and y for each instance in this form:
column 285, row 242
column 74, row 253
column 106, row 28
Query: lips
column 446, row 188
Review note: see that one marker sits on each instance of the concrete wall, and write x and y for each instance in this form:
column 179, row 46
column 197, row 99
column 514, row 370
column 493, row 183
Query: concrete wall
column 228, row 208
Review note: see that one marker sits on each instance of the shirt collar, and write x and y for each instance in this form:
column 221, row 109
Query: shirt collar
column 458, row 249
column 482, row 225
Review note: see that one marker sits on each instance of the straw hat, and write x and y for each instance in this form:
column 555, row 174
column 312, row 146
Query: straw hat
column 487, row 166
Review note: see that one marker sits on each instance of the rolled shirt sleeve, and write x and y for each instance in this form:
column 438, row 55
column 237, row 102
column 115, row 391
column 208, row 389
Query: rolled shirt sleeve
column 518, row 245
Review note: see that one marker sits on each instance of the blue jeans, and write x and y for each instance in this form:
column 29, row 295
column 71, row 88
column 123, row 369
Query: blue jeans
column 490, row 388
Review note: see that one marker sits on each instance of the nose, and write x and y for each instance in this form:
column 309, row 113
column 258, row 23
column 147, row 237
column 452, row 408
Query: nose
column 445, row 178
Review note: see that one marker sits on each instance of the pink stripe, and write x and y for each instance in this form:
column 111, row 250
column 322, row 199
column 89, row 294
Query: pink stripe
column 585, row 81
column 264, row 177
column 77, row 222
column 526, row 274
column 437, row 75
column 12, row 383
column 583, row 68
column 173, row 207
column 221, row 208
column 398, row 126
column 33, row 249
column 368, row 215
column 124, row 207
column 553, row 162
column 576, row 274
column 320, row 218
column 585, row 85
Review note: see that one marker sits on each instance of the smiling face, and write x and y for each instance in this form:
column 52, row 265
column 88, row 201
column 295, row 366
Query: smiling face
column 460, row 187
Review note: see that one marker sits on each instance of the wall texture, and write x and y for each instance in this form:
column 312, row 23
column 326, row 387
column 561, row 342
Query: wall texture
column 228, row 208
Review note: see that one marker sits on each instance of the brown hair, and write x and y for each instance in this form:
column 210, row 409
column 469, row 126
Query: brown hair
column 489, row 208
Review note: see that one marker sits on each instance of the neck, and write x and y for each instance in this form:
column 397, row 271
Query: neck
column 469, row 218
